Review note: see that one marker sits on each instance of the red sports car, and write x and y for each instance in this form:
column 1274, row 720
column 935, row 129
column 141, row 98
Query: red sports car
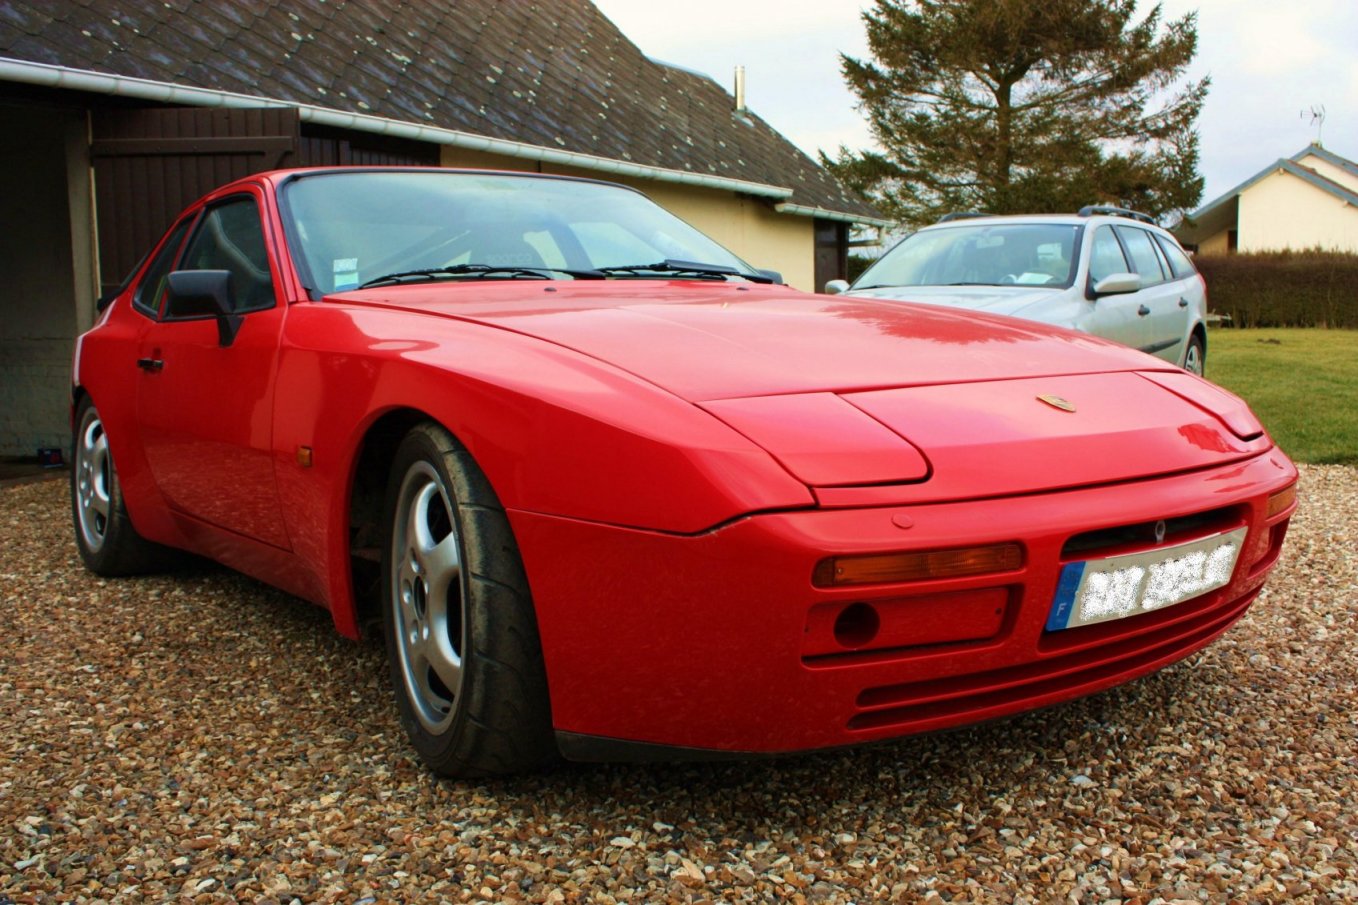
column 611, row 493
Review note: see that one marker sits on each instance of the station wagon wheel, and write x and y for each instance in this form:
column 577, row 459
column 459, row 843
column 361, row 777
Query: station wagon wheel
column 461, row 632
column 104, row 535
column 1195, row 356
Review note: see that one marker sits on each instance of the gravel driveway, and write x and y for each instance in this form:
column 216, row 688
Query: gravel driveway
column 202, row 736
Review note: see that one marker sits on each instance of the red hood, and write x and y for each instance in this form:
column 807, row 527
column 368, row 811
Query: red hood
column 860, row 398
column 705, row 341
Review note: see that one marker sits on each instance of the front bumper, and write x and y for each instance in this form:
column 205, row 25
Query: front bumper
column 720, row 643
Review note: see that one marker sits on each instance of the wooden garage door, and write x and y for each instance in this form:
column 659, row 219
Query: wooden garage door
column 150, row 164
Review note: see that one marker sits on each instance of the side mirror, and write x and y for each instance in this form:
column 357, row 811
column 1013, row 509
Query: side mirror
column 773, row 275
column 1117, row 284
column 835, row 287
column 204, row 293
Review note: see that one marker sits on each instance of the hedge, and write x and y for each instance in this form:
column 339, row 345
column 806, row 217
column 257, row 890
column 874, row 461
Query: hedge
column 1283, row 289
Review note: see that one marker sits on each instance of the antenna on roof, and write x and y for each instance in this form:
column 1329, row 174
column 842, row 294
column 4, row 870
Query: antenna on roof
column 1317, row 114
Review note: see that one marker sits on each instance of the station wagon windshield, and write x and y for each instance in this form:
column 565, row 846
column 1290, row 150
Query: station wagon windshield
column 1020, row 254
column 357, row 228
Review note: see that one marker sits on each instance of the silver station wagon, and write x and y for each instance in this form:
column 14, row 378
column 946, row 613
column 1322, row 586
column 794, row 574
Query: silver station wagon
column 1104, row 271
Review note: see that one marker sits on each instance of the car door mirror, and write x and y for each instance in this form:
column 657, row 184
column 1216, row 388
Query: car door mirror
column 773, row 275
column 203, row 293
column 835, row 287
column 1117, row 284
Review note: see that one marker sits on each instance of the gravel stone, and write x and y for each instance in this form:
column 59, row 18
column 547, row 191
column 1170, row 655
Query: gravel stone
column 199, row 737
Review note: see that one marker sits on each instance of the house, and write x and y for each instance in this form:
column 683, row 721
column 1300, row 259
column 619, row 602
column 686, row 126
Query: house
column 114, row 116
column 1308, row 200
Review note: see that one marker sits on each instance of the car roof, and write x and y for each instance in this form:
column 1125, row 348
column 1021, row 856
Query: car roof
column 1060, row 219
column 277, row 178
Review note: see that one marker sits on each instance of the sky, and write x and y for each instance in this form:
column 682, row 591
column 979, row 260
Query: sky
column 1269, row 61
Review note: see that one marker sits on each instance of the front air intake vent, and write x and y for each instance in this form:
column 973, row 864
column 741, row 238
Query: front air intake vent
column 1147, row 534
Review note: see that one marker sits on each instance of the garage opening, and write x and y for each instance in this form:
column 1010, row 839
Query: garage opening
column 46, row 292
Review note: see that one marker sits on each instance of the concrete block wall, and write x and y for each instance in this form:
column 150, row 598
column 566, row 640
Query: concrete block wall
column 45, row 258
column 35, row 393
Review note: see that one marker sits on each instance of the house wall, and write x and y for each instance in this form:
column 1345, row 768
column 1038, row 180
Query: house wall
column 1215, row 244
column 1330, row 171
column 746, row 225
column 48, row 268
column 1283, row 211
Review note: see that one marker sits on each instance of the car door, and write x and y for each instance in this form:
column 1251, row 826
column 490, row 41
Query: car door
column 1113, row 316
column 204, row 409
column 1157, row 304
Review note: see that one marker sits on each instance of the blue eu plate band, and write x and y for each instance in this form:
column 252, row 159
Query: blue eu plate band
column 1064, row 603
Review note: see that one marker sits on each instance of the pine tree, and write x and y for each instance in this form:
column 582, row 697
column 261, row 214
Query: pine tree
column 1017, row 106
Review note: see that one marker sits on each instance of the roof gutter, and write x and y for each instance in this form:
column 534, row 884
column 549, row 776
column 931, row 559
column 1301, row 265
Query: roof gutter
column 164, row 92
column 821, row 213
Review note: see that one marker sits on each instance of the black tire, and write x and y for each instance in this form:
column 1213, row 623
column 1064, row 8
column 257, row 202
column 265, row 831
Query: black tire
column 1195, row 356
column 108, row 543
column 457, row 616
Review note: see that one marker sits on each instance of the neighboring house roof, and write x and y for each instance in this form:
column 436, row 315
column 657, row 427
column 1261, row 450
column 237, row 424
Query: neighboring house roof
column 1315, row 150
column 1221, row 212
column 555, row 81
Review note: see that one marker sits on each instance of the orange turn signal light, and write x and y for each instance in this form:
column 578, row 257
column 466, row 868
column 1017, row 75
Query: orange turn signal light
column 885, row 568
column 1282, row 500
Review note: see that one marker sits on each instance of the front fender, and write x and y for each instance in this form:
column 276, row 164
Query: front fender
column 556, row 432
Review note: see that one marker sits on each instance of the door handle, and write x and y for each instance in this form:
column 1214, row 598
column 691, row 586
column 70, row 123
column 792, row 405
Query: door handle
column 1143, row 311
column 1183, row 303
column 150, row 364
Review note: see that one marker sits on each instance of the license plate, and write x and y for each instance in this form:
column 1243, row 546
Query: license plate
column 1099, row 590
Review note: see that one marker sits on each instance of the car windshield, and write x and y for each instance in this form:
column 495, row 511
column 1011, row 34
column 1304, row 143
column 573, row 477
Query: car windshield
column 361, row 227
column 993, row 254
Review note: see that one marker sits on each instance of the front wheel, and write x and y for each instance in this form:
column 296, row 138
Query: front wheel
column 458, row 618
column 1195, row 356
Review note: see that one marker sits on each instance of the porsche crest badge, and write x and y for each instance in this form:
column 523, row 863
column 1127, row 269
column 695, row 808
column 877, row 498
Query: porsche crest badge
column 1057, row 402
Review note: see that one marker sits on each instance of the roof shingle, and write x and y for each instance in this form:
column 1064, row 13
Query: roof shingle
column 558, row 75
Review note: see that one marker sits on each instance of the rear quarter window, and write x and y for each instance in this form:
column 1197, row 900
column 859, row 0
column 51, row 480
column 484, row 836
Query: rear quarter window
column 1179, row 262
column 1141, row 249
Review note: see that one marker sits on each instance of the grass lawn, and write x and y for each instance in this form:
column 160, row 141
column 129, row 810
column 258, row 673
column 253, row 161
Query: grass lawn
column 1302, row 383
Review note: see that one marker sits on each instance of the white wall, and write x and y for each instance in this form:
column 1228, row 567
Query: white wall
column 1284, row 211
column 1216, row 244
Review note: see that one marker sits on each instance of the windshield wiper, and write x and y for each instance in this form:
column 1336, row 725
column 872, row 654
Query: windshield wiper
column 477, row 270
column 702, row 271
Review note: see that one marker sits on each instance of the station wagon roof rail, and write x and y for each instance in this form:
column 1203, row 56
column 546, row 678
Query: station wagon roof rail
column 1090, row 210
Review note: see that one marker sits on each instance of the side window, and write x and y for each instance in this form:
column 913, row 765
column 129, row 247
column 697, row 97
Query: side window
column 1105, row 257
column 1145, row 258
column 1178, row 260
column 151, row 292
column 229, row 237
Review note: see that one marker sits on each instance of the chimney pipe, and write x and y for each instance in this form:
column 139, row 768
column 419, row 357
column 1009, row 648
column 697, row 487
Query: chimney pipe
column 740, row 89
